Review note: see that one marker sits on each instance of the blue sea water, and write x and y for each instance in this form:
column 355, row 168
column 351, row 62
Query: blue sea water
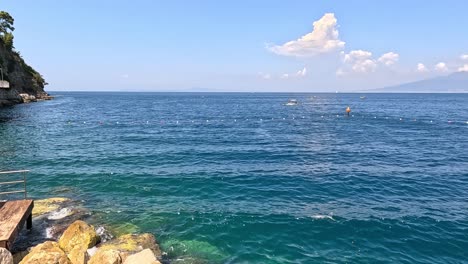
column 242, row 178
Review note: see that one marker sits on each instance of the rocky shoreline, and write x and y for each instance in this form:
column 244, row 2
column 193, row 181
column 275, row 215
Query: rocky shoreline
column 59, row 236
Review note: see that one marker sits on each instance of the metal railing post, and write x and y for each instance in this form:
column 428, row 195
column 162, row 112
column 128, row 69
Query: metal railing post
column 11, row 182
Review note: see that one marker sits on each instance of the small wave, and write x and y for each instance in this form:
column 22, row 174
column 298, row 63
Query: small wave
column 92, row 251
column 323, row 217
column 49, row 232
column 62, row 213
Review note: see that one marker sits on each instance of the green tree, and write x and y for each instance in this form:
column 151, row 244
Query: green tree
column 8, row 40
column 6, row 29
column 6, row 23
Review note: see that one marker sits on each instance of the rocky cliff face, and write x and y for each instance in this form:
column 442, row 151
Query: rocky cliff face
column 26, row 84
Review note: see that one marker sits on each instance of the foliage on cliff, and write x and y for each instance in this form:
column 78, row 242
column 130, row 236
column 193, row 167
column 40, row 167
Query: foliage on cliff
column 23, row 78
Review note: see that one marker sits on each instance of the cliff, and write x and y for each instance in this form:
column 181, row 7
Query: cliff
column 26, row 84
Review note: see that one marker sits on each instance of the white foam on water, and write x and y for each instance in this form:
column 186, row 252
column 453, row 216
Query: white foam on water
column 49, row 232
column 322, row 217
column 62, row 213
column 92, row 251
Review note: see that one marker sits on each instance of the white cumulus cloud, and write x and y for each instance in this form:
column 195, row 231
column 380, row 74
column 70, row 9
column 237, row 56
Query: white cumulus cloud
column 360, row 61
column 389, row 58
column 421, row 68
column 324, row 38
column 441, row 67
column 464, row 68
column 464, row 57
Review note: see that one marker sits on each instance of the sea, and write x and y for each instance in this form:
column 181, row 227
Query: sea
column 243, row 178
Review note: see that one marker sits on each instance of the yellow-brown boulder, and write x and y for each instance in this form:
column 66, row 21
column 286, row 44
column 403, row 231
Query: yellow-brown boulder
column 48, row 252
column 106, row 257
column 78, row 235
column 78, row 256
column 143, row 257
column 133, row 243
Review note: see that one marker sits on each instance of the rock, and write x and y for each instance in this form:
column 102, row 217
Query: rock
column 78, row 256
column 78, row 235
column 18, row 256
column 193, row 251
column 143, row 257
column 5, row 256
column 125, row 228
column 104, row 234
column 106, row 257
column 27, row 98
column 133, row 243
column 47, row 205
column 48, row 252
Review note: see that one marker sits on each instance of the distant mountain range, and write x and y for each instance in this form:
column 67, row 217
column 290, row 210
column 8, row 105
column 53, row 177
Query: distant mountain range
column 453, row 83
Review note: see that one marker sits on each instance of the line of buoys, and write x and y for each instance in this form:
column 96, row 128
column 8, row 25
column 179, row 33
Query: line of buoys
column 162, row 122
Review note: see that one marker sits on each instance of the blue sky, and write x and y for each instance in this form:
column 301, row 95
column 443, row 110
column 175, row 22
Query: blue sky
column 239, row 45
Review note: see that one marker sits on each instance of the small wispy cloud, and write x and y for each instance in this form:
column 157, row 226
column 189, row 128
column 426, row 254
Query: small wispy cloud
column 441, row 67
column 302, row 73
column 324, row 38
column 389, row 58
column 463, row 68
column 265, row 76
column 421, row 68
column 125, row 76
column 299, row 74
column 464, row 57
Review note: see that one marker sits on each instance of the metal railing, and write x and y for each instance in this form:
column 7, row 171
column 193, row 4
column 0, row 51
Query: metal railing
column 13, row 182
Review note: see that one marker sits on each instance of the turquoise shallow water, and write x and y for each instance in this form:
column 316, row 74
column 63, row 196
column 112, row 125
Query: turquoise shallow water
column 241, row 178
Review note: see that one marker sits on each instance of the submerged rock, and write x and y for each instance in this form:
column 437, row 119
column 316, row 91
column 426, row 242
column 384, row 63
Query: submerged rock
column 193, row 251
column 5, row 256
column 45, row 206
column 132, row 243
column 143, row 257
column 18, row 256
column 47, row 252
column 125, row 228
column 106, row 257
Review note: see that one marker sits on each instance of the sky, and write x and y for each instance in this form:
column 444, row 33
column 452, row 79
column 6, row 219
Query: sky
column 246, row 46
